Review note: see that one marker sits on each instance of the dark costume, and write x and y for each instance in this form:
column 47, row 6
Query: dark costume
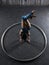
column 26, row 27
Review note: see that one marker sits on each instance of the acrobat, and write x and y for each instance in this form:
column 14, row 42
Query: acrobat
column 24, row 33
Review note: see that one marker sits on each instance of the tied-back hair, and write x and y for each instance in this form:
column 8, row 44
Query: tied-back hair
column 25, row 24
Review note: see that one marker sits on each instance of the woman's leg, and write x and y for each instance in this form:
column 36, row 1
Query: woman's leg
column 20, row 33
column 28, row 36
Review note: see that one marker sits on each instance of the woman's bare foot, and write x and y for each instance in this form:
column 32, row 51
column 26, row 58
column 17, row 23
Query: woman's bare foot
column 28, row 40
column 20, row 40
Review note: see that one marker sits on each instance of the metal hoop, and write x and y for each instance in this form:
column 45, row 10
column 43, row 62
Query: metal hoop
column 37, row 27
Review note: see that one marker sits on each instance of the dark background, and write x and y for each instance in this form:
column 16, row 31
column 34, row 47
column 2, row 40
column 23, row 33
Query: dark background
column 12, row 14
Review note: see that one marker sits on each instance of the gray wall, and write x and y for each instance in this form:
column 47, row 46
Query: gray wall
column 26, row 2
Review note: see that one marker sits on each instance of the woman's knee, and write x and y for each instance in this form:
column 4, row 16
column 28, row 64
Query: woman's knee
column 20, row 32
column 29, row 33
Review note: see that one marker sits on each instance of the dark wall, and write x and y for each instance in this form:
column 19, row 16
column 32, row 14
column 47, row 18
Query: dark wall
column 26, row 2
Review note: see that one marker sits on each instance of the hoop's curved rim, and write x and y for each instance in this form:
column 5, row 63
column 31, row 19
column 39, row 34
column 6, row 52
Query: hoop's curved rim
column 37, row 27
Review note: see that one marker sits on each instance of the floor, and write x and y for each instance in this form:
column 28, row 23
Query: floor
column 12, row 14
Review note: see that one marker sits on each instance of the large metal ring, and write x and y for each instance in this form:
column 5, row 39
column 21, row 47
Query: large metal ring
column 37, row 27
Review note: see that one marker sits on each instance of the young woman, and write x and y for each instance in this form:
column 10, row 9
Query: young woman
column 25, row 27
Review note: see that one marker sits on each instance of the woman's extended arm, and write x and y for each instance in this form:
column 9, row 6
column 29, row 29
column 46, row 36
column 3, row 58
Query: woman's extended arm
column 21, row 23
column 29, row 23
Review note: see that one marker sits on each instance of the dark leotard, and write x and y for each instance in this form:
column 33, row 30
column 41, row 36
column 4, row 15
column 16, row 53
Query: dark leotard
column 24, row 33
